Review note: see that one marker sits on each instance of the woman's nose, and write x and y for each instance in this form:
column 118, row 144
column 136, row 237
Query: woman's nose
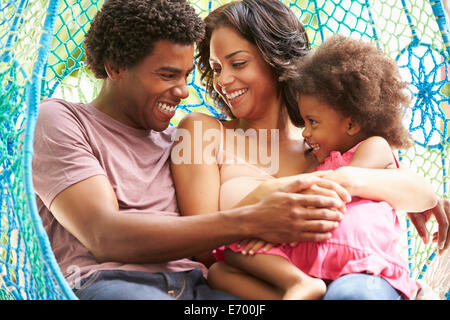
column 224, row 78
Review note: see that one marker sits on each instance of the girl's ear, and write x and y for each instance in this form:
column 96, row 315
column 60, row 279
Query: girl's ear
column 352, row 127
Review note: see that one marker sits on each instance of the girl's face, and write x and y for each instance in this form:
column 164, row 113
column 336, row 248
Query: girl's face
column 325, row 129
column 241, row 76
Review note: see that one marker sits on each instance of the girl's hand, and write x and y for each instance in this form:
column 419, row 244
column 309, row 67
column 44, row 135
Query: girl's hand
column 253, row 245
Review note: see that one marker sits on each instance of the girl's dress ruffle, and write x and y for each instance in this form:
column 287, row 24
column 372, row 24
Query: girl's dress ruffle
column 328, row 260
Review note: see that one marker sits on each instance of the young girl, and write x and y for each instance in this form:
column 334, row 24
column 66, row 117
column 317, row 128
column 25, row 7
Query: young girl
column 351, row 99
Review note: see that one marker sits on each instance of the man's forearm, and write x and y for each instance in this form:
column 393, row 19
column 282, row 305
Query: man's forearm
column 151, row 238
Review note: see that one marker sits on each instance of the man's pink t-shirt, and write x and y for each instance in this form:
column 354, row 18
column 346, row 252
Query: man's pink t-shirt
column 75, row 141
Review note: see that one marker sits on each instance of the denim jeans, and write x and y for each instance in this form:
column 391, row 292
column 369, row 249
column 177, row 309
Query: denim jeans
column 191, row 285
column 361, row 286
column 136, row 285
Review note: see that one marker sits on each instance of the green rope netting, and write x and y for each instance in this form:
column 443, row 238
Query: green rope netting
column 41, row 55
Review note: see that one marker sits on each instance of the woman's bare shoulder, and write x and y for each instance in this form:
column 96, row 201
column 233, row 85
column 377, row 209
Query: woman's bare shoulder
column 201, row 120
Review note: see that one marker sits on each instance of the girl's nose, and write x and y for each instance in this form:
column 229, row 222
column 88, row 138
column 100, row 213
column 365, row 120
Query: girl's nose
column 306, row 133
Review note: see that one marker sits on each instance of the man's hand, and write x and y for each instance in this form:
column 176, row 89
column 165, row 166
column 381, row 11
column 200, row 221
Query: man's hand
column 288, row 215
column 442, row 214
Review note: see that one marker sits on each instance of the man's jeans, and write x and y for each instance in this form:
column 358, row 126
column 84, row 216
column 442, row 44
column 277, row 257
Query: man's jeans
column 191, row 285
column 136, row 285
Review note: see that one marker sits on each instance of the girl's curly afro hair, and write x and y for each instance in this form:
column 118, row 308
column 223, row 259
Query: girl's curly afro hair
column 124, row 31
column 358, row 80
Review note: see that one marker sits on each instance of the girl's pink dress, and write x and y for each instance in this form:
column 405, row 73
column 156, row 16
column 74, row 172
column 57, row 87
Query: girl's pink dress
column 365, row 242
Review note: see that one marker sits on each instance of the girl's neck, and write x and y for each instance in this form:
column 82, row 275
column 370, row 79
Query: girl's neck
column 353, row 141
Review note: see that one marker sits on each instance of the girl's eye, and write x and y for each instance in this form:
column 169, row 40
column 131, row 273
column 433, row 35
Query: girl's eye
column 216, row 70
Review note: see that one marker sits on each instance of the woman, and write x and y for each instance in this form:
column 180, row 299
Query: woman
column 248, row 58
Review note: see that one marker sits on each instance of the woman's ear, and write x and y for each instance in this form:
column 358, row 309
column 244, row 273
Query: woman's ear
column 352, row 127
column 112, row 72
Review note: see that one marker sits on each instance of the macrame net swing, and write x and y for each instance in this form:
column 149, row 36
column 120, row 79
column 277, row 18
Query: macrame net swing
column 41, row 55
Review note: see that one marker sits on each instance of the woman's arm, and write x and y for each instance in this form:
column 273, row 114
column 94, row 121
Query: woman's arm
column 368, row 176
column 372, row 174
column 195, row 170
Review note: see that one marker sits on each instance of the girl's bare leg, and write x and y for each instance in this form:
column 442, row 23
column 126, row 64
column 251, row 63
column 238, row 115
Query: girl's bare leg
column 222, row 276
column 280, row 273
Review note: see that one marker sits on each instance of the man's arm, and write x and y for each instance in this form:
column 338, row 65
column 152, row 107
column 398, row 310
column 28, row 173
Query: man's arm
column 89, row 211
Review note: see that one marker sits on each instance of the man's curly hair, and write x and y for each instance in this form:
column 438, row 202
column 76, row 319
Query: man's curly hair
column 124, row 31
column 359, row 81
column 271, row 26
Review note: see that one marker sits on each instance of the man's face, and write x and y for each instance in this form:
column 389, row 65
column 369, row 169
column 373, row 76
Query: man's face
column 153, row 88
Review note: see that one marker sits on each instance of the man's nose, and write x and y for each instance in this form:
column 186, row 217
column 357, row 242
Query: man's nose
column 181, row 90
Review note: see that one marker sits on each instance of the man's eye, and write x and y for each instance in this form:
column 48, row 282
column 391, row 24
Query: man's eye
column 168, row 76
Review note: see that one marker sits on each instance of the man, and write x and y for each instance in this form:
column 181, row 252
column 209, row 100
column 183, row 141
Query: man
column 102, row 178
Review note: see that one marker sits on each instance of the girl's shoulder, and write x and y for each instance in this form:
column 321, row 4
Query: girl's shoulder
column 374, row 143
column 374, row 152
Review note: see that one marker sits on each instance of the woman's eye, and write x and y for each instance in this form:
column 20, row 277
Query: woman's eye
column 239, row 64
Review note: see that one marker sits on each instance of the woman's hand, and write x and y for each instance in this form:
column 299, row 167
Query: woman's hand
column 442, row 214
column 320, row 184
column 324, row 186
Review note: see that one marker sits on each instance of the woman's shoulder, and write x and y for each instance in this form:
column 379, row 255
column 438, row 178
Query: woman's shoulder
column 199, row 120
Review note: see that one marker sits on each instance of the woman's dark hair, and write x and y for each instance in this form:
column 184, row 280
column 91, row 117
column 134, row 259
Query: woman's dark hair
column 274, row 29
column 359, row 81
column 124, row 31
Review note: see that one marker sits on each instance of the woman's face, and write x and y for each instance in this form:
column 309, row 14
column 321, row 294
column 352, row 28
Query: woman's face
column 241, row 76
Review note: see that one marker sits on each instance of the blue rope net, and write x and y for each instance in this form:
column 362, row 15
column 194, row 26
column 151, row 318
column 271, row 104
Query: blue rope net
column 41, row 55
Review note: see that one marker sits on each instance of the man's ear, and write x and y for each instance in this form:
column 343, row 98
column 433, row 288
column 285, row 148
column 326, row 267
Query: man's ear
column 112, row 72
column 352, row 127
